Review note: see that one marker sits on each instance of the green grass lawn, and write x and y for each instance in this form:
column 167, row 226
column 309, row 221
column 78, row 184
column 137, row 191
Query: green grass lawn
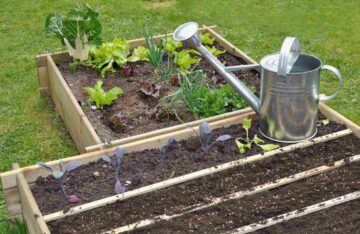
column 31, row 131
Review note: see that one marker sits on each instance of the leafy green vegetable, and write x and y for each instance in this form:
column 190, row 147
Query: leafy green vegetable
column 184, row 60
column 202, row 100
column 156, row 52
column 325, row 122
column 245, row 143
column 139, row 54
column 100, row 97
column 79, row 29
column 105, row 56
column 214, row 51
column 170, row 45
column 206, row 40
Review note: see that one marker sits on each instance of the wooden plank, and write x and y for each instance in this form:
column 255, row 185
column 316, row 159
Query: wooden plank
column 167, row 130
column 230, row 47
column 32, row 215
column 297, row 213
column 333, row 115
column 12, row 199
column 191, row 176
column 238, row 195
column 70, row 111
column 141, row 41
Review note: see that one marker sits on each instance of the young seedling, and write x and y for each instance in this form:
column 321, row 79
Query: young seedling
column 61, row 176
column 245, row 143
column 206, row 135
column 115, row 162
column 163, row 149
column 155, row 53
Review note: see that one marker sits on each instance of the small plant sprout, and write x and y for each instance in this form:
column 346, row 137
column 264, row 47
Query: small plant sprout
column 245, row 143
column 206, row 135
column 61, row 176
column 115, row 162
column 155, row 53
column 163, row 149
column 325, row 122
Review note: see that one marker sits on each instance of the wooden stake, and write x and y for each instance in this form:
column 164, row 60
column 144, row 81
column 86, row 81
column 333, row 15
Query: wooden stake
column 238, row 195
column 191, row 176
column 296, row 213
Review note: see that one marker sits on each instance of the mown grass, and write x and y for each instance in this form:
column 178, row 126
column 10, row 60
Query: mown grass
column 31, row 131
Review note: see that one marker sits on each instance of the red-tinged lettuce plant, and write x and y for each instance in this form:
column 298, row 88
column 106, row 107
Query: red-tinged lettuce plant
column 78, row 30
column 61, row 176
column 246, row 143
column 206, row 136
column 115, row 162
column 100, row 96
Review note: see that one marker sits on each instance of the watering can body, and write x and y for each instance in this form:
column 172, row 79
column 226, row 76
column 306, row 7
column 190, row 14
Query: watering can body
column 289, row 92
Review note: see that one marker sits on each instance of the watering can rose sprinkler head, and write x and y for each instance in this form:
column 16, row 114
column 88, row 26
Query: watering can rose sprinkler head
column 289, row 88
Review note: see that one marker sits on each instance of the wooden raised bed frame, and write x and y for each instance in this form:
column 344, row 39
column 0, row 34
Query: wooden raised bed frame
column 20, row 201
column 52, row 84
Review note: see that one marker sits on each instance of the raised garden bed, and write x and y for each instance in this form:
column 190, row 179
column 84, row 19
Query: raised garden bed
column 241, row 189
column 92, row 129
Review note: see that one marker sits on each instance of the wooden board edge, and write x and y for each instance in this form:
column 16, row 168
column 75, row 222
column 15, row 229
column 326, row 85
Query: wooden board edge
column 75, row 120
column 333, row 115
column 12, row 200
column 31, row 212
column 230, row 47
column 168, row 130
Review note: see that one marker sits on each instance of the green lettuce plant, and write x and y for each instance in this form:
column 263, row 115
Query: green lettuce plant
column 100, row 97
column 78, row 30
column 107, row 55
column 214, row 51
column 184, row 60
column 206, row 39
column 170, row 45
column 139, row 54
column 246, row 143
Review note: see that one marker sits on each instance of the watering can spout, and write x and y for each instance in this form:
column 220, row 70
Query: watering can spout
column 189, row 34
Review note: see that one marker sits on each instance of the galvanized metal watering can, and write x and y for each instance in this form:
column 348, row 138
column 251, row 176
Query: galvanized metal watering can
column 289, row 93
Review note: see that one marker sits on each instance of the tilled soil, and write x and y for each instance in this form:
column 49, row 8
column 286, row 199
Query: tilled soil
column 245, row 211
column 134, row 106
column 235, row 213
column 139, row 169
column 340, row 219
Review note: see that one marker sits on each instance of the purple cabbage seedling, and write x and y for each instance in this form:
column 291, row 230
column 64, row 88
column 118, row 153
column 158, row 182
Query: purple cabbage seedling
column 206, row 135
column 163, row 149
column 61, row 176
column 115, row 162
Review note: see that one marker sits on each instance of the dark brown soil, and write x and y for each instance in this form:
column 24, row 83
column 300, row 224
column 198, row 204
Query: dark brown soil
column 133, row 105
column 245, row 211
column 340, row 219
column 236, row 213
column 144, row 168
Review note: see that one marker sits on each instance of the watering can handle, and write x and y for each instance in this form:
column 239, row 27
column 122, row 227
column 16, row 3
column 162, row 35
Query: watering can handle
column 289, row 53
column 338, row 75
